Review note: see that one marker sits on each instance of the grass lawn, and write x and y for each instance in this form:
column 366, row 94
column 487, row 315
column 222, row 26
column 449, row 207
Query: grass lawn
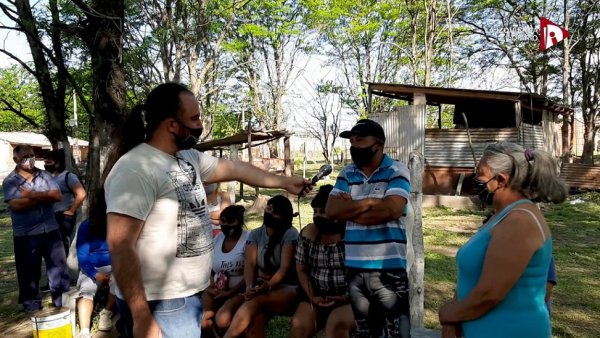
column 575, row 229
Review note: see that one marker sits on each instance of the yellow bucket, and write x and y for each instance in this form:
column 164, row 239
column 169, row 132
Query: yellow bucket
column 52, row 323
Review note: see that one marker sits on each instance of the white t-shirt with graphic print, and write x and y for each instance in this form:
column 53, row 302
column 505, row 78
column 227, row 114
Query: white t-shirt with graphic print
column 175, row 246
column 230, row 263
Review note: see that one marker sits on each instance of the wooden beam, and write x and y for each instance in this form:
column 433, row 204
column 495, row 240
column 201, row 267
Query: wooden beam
column 445, row 92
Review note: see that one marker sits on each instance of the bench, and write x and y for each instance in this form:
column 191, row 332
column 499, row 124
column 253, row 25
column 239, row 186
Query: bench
column 581, row 176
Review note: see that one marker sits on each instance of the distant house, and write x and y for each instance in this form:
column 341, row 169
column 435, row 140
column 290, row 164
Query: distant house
column 528, row 119
column 41, row 146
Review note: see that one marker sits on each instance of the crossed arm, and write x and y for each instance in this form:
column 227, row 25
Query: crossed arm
column 367, row 211
column 30, row 198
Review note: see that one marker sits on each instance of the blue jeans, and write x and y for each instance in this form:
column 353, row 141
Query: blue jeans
column 380, row 303
column 177, row 318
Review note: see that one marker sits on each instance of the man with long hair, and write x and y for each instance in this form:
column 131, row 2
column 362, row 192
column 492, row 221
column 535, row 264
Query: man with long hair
column 159, row 229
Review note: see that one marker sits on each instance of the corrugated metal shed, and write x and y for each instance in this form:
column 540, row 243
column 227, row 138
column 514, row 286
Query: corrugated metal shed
column 404, row 131
column 34, row 139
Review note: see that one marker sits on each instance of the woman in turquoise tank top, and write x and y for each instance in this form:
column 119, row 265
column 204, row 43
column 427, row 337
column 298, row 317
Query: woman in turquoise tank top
column 502, row 269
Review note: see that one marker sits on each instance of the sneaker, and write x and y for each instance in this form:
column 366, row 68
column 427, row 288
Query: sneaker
column 84, row 335
column 105, row 321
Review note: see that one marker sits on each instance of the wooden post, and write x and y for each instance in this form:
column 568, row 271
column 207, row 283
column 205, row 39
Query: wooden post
column 249, row 131
column 419, row 99
column 440, row 116
column 304, row 162
column 233, row 155
column 287, row 158
column 519, row 121
column 417, row 266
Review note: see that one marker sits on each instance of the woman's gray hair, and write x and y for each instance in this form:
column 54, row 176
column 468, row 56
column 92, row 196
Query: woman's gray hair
column 531, row 172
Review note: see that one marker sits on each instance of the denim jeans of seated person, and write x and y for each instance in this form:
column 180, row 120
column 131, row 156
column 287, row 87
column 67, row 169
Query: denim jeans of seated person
column 177, row 318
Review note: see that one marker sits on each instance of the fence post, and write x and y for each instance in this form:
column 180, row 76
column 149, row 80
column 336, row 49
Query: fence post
column 417, row 267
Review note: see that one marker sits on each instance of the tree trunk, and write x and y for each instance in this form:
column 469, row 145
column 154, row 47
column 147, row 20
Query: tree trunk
column 430, row 25
column 566, row 86
column 55, row 109
column 105, row 42
column 589, row 134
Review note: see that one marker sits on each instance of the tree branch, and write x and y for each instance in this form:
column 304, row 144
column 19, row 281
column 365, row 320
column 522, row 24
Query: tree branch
column 21, row 62
column 18, row 112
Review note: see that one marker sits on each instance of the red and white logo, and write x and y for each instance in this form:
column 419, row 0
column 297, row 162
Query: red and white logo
column 550, row 34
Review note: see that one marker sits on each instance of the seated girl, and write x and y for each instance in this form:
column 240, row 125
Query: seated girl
column 322, row 276
column 223, row 296
column 271, row 286
column 95, row 270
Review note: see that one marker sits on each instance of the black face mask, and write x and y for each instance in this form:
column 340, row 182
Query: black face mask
column 50, row 167
column 187, row 142
column 270, row 221
column 482, row 192
column 327, row 226
column 362, row 156
column 231, row 231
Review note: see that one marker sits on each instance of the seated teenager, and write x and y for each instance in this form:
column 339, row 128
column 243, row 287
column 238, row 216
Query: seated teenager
column 223, row 296
column 271, row 286
column 95, row 270
column 322, row 276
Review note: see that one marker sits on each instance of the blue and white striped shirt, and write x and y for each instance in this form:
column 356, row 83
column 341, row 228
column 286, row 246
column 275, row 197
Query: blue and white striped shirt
column 383, row 246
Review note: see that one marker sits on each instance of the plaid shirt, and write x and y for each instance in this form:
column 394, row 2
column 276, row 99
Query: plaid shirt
column 326, row 263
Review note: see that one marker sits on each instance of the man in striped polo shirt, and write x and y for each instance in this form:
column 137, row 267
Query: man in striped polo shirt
column 371, row 196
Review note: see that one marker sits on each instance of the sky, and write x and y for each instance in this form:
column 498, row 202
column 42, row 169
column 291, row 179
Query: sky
column 310, row 69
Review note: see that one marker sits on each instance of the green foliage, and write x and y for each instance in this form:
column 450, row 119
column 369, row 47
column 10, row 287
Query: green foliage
column 20, row 91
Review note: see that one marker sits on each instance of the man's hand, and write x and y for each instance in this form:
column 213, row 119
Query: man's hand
column 69, row 213
column 25, row 193
column 298, row 186
column 146, row 327
column 102, row 278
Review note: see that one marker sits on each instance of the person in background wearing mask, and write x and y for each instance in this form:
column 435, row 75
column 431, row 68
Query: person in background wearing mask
column 503, row 268
column 216, row 201
column 30, row 193
column 322, row 276
column 73, row 195
column 371, row 195
column 223, row 296
column 159, row 230
column 271, row 283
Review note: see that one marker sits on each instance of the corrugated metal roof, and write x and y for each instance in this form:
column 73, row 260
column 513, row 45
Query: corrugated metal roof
column 34, row 139
column 439, row 95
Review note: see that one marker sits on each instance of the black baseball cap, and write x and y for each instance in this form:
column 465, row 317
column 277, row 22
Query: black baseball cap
column 365, row 127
